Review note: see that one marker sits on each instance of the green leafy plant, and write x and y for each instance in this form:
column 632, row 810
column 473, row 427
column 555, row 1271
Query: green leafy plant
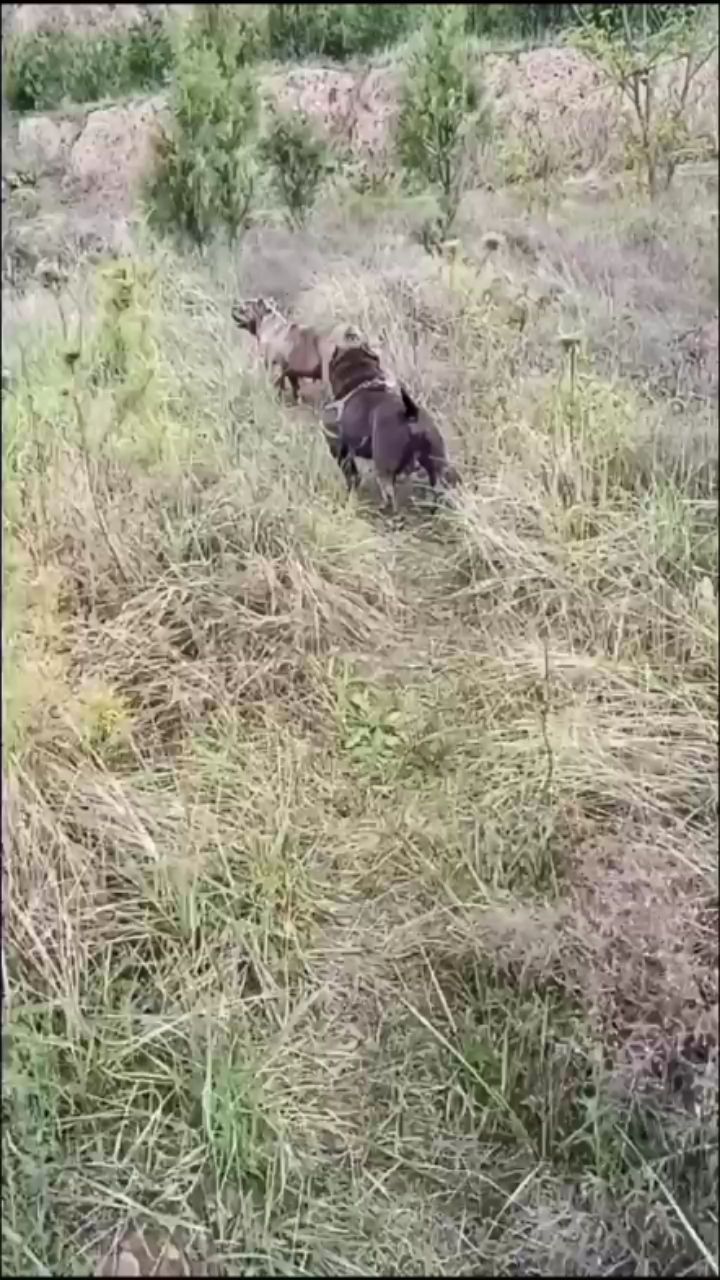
column 124, row 349
column 443, row 116
column 46, row 68
column 372, row 730
column 206, row 174
column 298, row 161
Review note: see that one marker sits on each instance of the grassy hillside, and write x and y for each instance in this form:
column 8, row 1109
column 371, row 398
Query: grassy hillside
column 362, row 881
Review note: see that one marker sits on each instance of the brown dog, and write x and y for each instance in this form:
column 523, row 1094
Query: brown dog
column 296, row 351
column 372, row 418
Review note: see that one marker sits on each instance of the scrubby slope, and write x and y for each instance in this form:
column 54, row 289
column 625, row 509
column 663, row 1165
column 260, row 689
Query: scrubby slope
column 79, row 170
column 363, row 878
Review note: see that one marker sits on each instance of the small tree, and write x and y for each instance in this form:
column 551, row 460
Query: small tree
column 443, row 117
column 679, row 39
column 298, row 161
column 206, row 175
column 237, row 33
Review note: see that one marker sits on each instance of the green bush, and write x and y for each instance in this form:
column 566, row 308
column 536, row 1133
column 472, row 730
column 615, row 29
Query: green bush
column 336, row 30
column 635, row 62
column 443, row 116
column 235, row 31
column 45, row 69
column 516, row 21
column 536, row 21
column 640, row 18
column 297, row 160
column 206, row 174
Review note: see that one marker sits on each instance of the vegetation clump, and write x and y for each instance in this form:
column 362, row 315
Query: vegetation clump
column 44, row 70
column 206, row 174
column 444, row 115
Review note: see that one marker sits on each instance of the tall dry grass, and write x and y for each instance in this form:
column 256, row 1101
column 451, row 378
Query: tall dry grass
column 362, row 887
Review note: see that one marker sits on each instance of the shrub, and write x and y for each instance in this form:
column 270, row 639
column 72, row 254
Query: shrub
column 641, row 18
column 298, row 161
column 533, row 21
column 442, row 113
column 235, row 32
column 518, row 21
column 336, row 31
column 206, row 173
column 636, row 60
column 44, row 69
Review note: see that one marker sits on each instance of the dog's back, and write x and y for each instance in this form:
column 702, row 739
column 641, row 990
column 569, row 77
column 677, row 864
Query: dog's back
column 293, row 347
column 301, row 351
column 298, row 350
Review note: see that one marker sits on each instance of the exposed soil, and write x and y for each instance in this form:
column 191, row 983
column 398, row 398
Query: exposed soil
column 550, row 99
column 72, row 178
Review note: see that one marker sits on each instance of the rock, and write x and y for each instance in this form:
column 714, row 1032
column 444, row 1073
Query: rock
column 83, row 19
column 114, row 152
column 43, row 143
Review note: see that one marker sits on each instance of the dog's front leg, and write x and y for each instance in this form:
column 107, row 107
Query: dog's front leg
column 280, row 379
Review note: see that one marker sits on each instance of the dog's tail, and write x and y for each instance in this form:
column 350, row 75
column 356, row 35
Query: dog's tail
column 412, row 412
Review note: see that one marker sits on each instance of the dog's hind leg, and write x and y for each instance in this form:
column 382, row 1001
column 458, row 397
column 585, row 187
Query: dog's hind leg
column 427, row 462
column 388, row 491
column 432, row 481
column 346, row 462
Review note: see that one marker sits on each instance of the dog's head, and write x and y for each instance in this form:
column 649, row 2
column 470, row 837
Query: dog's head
column 350, row 365
column 351, row 336
column 249, row 314
column 343, row 338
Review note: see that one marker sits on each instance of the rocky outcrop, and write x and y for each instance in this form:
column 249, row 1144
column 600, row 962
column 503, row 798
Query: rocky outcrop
column 85, row 166
column 79, row 19
column 113, row 153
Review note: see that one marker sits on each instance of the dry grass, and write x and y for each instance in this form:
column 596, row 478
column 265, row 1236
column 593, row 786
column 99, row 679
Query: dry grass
column 363, row 890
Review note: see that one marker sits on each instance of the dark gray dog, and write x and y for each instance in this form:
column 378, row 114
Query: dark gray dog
column 372, row 418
